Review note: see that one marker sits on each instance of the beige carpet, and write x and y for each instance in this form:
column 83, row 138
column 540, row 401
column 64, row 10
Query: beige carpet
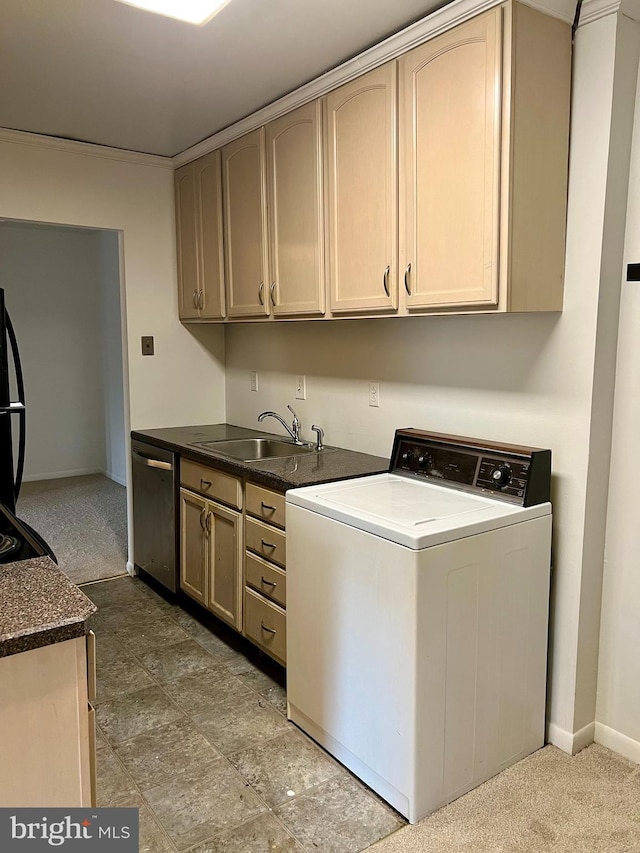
column 548, row 803
column 84, row 519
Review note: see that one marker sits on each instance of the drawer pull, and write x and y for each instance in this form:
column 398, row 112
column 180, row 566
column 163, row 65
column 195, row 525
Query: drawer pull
column 267, row 506
column 267, row 630
column 205, row 483
column 202, row 516
column 267, row 544
column 269, row 583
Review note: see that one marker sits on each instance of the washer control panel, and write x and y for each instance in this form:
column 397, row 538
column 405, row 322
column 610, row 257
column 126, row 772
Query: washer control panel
column 516, row 474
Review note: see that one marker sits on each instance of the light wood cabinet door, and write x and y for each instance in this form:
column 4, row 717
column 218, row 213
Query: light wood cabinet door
column 450, row 105
column 187, row 229
column 362, row 195
column 208, row 178
column 224, row 530
column 193, row 546
column 45, row 736
column 243, row 183
column 295, row 205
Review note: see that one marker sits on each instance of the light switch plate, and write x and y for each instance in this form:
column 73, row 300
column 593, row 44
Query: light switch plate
column 374, row 394
column 147, row 345
column 254, row 380
column 301, row 388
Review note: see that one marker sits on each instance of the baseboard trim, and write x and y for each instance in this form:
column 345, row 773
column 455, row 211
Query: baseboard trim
column 59, row 475
column 111, row 476
column 568, row 742
column 616, row 741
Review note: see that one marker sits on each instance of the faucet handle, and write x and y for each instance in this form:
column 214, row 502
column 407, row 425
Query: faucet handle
column 295, row 426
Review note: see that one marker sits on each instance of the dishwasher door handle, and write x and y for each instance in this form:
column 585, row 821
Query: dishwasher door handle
column 151, row 463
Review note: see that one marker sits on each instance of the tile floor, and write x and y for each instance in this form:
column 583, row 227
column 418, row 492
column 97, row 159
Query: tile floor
column 192, row 729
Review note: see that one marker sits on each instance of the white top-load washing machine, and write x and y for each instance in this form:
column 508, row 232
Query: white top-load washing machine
column 417, row 614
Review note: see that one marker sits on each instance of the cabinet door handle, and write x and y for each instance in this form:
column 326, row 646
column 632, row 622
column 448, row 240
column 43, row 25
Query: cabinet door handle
column 268, row 630
column 260, row 293
column 269, row 583
column 267, row 544
column 272, row 292
column 201, row 299
column 195, row 298
column 209, row 522
column 385, row 280
column 202, row 515
column 267, row 506
column 205, row 484
column 406, row 279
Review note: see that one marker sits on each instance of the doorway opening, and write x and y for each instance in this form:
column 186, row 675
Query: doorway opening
column 63, row 292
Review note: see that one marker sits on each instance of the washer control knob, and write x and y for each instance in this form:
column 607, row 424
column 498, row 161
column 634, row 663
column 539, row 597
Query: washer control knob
column 501, row 476
column 423, row 461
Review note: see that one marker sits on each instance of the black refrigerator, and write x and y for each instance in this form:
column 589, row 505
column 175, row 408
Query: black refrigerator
column 18, row 541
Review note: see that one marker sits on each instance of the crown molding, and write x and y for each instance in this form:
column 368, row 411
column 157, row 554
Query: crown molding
column 86, row 149
column 433, row 25
column 593, row 10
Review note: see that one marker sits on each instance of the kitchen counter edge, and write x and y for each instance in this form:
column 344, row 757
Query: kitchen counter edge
column 39, row 606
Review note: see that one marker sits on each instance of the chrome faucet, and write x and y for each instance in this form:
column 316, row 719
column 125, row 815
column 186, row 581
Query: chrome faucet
column 293, row 430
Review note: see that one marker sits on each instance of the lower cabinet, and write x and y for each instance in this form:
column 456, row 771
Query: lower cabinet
column 233, row 562
column 210, row 556
column 47, row 734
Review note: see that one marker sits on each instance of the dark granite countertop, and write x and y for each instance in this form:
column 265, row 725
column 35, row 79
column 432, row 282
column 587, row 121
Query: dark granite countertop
column 290, row 472
column 39, row 606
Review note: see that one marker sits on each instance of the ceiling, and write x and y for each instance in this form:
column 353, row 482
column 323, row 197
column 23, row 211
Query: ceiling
column 103, row 72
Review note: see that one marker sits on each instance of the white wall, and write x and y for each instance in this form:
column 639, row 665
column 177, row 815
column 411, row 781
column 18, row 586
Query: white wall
column 115, row 455
column 79, row 185
column 618, row 709
column 51, row 291
column 525, row 379
column 184, row 382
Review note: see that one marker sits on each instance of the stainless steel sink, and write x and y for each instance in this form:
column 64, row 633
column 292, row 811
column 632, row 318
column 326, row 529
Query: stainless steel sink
column 252, row 449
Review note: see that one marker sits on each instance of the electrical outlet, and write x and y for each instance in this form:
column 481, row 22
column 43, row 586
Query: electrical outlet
column 254, row 380
column 374, row 394
column 147, row 345
column 301, row 388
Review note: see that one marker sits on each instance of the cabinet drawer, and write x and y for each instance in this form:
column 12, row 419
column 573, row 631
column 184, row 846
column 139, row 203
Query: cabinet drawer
column 267, row 579
column 265, row 504
column 214, row 484
column 266, row 624
column 268, row 542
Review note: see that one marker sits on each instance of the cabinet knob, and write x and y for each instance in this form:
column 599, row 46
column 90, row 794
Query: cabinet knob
column 268, row 630
column 195, row 298
column 201, row 300
column 261, row 293
column 268, row 583
column 272, row 292
column 202, row 515
column 385, row 280
column 267, row 544
column 406, row 279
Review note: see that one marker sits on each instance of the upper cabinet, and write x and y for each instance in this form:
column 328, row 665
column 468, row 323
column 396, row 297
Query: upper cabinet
column 245, row 225
column 295, row 212
column 199, row 239
column 450, row 166
column 484, row 112
column 362, row 212
column 436, row 183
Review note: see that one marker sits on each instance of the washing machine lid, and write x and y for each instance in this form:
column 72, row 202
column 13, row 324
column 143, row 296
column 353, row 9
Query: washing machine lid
column 412, row 513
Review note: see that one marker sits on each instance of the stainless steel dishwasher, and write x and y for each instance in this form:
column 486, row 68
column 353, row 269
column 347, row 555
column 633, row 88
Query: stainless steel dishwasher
column 155, row 512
